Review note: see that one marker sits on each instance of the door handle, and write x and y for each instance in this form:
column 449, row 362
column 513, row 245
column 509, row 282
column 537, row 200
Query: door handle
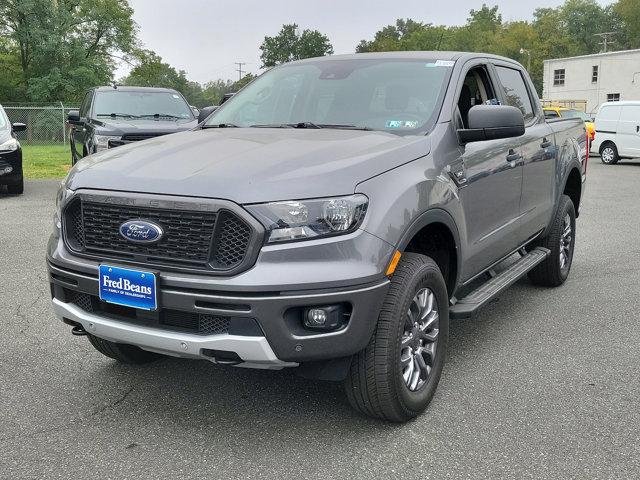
column 545, row 143
column 513, row 156
column 637, row 128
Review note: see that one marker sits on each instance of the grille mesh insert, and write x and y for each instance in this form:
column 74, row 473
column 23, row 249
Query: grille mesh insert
column 192, row 239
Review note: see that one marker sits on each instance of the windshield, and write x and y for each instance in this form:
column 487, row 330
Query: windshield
column 141, row 104
column 396, row 95
column 576, row 114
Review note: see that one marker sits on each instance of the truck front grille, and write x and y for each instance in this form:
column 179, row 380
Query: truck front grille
column 192, row 239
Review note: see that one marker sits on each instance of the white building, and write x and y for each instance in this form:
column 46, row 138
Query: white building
column 594, row 79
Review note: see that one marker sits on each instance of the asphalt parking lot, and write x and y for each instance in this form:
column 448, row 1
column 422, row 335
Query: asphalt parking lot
column 542, row 384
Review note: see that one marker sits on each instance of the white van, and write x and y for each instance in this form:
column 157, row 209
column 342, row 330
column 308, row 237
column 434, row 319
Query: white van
column 617, row 131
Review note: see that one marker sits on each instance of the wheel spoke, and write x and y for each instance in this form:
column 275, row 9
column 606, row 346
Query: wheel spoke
column 415, row 376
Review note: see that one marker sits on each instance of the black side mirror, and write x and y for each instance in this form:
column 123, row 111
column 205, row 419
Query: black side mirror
column 206, row 113
column 73, row 117
column 491, row 122
column 18, row 127
column 226, row 97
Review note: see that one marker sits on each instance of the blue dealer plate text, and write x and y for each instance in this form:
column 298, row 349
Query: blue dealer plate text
column 130, row 288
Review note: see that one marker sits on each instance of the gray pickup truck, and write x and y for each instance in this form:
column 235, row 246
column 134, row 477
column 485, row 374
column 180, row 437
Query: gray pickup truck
column 333, row 216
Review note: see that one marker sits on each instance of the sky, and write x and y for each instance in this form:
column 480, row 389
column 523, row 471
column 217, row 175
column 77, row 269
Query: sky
column 206, row 37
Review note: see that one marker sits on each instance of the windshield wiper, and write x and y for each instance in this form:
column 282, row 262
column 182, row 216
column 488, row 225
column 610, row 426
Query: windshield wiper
column 311, row 125
column 159, row 115
column 221, row 125
column 343, row 126
column 114, row 115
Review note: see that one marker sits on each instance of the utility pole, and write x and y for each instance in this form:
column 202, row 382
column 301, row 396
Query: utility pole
column 239, row 70
column 606, row 40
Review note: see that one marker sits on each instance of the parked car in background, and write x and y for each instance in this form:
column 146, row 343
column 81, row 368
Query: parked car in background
column 113, row 116
column 552, row 112
column 618, row 131
column 10, row 154
column 331, row 217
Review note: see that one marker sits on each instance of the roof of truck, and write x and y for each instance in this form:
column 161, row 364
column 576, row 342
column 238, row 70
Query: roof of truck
column 417, row 55
column 125, row 88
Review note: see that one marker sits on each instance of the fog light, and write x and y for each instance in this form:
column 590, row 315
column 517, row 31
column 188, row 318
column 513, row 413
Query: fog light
column 324, row 318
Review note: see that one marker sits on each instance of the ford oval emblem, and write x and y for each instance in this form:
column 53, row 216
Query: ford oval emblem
column 141, row 231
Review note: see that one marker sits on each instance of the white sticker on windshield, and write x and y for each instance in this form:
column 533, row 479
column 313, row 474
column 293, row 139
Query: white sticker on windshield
column 445, row 63
column 176, row 96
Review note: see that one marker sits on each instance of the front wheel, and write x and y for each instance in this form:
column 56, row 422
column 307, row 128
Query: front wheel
column 395, row 377
column 16, row 188
column 609, row 154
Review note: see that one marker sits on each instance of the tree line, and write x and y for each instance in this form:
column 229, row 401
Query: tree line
column 54, row 50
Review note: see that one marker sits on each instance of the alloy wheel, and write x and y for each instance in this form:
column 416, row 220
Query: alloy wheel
column 565, row 242
column 419, row 339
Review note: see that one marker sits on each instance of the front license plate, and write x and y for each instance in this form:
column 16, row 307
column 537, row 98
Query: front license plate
column 130, row 288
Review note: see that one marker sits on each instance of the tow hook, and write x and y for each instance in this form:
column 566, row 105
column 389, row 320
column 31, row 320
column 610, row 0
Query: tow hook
column 78, row 331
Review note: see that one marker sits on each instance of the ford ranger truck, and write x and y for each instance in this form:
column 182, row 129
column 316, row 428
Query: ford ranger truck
column 333, row 217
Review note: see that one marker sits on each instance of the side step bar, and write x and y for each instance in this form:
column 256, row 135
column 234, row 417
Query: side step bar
column 469, row 305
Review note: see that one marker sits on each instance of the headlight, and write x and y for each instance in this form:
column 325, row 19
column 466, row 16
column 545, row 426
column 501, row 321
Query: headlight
column 61, row 198
column 307, row 219
column 10, row 145
column 102, row 141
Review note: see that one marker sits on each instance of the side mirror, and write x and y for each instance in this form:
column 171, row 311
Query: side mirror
column 226, row 97
column 73, row 117
column 491, row 122
column 195, row 111
column 18, row 127
column 206, row 113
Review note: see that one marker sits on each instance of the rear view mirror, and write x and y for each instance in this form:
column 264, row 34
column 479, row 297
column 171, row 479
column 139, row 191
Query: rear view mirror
column 18, row 127
column 73, row 117
column 491, row 122
column 206, row 113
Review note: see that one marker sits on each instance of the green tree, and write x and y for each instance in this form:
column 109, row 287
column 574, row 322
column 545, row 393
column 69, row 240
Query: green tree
column 65, row 46
column 289, row 45
column 628, row 14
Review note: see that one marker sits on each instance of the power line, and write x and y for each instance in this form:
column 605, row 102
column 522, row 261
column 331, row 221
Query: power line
column 606, row 40
column 239, row 70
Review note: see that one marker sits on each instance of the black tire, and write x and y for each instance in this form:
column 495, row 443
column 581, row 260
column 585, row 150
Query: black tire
column 16, row 188
column 609, row 151
column 129, row 354
column 550, row 273
column 375, row 385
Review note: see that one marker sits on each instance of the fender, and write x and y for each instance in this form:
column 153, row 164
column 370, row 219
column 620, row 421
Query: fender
column 566, row 163
column 434, row 215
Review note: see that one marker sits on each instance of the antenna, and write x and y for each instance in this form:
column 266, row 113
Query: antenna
column 606, row 40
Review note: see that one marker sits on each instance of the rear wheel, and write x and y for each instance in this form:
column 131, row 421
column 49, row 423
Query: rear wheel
column 16, row 188
column 561, row 241
column 609, row 154
column 121, row 352
column 395, row 377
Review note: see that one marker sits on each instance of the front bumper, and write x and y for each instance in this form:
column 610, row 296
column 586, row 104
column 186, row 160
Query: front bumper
column 272, row 294
column 14, row 161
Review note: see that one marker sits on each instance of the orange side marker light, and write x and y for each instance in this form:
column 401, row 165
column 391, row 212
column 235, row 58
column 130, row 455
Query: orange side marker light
column 394, row 263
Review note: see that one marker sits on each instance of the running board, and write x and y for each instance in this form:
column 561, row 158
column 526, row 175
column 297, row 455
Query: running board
column 469, row 305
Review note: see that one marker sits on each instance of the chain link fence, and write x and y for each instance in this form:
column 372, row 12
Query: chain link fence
column 46, row 124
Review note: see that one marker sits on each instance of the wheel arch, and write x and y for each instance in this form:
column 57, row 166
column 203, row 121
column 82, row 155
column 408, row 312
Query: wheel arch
column 573, row 187
column 434, row 233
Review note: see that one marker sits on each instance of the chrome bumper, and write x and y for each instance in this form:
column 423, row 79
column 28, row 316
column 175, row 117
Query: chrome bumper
column 254, row 351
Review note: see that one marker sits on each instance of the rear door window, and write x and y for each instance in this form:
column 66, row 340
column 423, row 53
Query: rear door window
column 515, row 91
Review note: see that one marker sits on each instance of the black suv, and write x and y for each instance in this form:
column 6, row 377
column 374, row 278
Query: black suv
column 10, row 154
column 117, row 115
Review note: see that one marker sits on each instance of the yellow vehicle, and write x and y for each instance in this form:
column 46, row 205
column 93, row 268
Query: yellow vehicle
column 563, row 112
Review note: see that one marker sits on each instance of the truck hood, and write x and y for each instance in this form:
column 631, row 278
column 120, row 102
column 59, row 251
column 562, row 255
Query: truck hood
column 143, row 125
column 249, row 165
